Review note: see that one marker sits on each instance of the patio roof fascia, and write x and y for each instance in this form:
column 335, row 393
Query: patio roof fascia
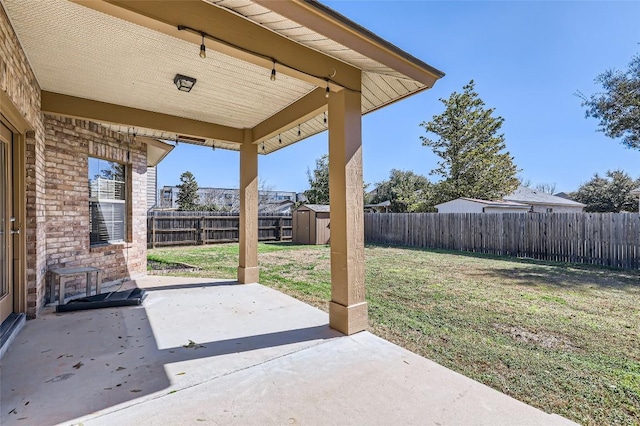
column 72, row 106
column 323, row 20
column 251, row 42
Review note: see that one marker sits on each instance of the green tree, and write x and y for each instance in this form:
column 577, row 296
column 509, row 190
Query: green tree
column 474, row 162
column 187, row 192
column 611, row 193
column 618, row 107
column 407, row 191
column 318, row 193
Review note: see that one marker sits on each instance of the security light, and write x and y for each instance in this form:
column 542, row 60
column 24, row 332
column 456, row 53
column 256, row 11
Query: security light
column 184, row 83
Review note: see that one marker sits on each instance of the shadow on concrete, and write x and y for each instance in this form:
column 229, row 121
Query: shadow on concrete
column 66, row 366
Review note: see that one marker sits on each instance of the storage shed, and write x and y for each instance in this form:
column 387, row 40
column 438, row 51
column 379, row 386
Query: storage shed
column 311, row 224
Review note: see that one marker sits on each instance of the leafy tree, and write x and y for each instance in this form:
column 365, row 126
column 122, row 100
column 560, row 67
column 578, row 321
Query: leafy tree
column 611, row 193
column 187, row 192
column 474, row 163
column 407, row 192
column 318, row 193
column 618, row 107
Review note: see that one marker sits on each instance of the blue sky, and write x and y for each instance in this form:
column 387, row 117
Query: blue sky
column 527, row 58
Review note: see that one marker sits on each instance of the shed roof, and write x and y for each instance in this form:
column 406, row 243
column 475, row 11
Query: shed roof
column 123, row 56
column 531, row 196
column 318, row 208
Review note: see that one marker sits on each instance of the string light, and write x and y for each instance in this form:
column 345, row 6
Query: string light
column 204, row 35
column 262, row 146
column 298, row 130
column 213, row 145
column 326, row 95
column 280, row 139
column 203, row 48
column 325, row 118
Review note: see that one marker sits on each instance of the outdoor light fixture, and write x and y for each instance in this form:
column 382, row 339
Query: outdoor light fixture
column 326, row 95
column 273, row 71
column 203, row 49
column 184, row 83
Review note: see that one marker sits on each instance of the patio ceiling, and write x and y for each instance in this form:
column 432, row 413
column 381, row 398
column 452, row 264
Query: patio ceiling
column 114, row 62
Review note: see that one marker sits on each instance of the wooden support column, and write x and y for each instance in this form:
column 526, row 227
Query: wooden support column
column 348, row 308
column 248, row 259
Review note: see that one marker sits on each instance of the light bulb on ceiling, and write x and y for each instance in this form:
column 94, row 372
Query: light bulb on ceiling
column 203, row 49
column 326, row 95
column 273, row 71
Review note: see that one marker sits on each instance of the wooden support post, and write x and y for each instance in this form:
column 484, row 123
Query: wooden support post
column 348, row 308
column 248, row 260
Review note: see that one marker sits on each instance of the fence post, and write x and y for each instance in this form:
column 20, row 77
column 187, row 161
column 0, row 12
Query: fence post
column 153, row 231
column 279, row 229
column 201, row 230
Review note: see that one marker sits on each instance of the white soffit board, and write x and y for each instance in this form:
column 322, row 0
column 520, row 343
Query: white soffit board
column 81, row 52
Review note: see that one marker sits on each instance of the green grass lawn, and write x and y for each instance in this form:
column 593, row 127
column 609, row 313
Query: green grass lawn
column 563, row 338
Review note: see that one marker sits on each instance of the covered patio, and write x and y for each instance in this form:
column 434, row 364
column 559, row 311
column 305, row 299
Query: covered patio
column 117, row 81
column 252, row 76
column 214, row 352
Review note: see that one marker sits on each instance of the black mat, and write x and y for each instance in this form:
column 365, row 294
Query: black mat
column 105, row 300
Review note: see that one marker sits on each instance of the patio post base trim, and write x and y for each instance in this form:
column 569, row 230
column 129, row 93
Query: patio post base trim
column 348, row 319
column 247, row 275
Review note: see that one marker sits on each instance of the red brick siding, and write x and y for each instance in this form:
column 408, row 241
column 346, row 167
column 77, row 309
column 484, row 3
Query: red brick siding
column 69, row 143
column 19, row 83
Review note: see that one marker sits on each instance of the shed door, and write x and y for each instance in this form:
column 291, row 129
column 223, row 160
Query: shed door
column 303, row 229
column 6, row 225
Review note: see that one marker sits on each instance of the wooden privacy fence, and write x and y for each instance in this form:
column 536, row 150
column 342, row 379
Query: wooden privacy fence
column 610, row 239
column 192, row 228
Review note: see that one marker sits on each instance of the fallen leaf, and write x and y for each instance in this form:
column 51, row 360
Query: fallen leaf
column 136, row 390
column 180, row 374
column 78, row 365
column 120, row 368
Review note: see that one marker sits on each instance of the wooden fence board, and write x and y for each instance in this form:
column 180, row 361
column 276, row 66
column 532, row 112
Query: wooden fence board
column 610, row 239
column 189, row 228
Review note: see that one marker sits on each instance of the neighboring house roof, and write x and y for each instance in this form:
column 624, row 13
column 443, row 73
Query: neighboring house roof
column 531, row 196
column 318, row 208
column 635, row 192
column 497, row 203
column 382, row 204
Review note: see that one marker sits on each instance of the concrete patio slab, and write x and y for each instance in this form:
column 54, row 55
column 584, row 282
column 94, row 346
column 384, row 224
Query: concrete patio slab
column 221, row 353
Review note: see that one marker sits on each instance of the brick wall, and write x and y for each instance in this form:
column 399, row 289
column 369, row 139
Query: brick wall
column 69, row 143
column 19, row 84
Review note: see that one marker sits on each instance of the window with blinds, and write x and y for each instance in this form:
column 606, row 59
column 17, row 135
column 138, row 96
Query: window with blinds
column 107, row 201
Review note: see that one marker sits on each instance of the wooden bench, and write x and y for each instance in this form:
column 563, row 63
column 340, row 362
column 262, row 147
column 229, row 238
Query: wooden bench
column 59, row 274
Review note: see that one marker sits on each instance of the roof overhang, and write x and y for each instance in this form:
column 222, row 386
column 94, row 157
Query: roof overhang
column 156, row 150
column 113, row 62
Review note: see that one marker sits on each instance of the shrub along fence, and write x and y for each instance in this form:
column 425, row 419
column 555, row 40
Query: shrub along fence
column 193, row 228
column 610, row 239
